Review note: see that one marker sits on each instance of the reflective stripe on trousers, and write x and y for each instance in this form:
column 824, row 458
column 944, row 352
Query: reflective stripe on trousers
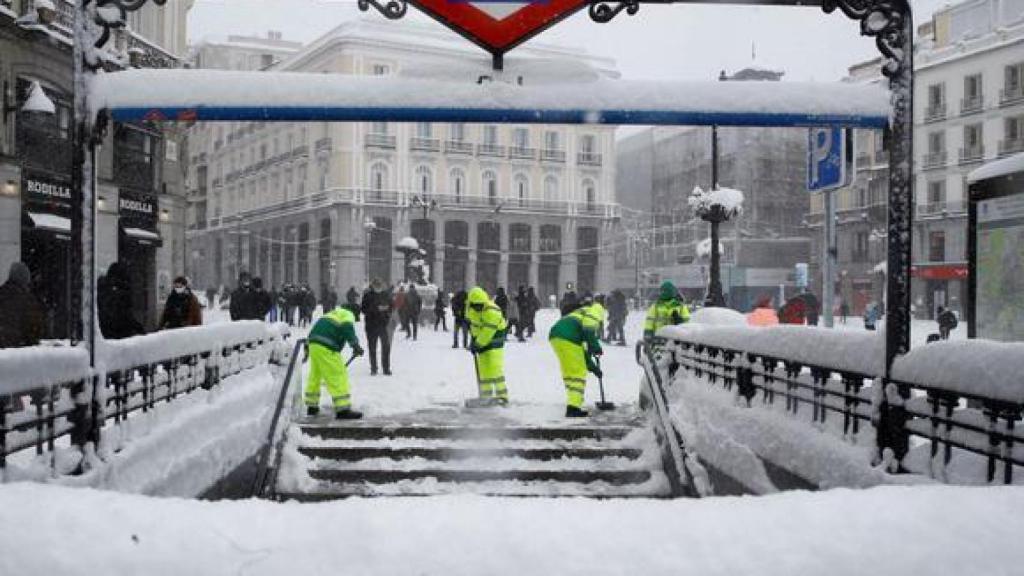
column 572, row 359
column 491, row 365
column 325, row 365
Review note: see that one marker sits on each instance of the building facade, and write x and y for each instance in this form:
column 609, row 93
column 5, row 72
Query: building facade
column 969, row 109
column 325, row 204
column 140, row 199
column 760, row 247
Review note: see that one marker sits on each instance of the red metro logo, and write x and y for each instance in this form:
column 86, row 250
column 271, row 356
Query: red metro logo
column 499, row 25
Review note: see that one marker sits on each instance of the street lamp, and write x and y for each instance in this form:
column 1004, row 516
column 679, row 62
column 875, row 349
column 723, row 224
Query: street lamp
column 369, row 225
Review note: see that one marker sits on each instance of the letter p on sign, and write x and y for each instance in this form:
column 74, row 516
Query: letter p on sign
column 827, row 159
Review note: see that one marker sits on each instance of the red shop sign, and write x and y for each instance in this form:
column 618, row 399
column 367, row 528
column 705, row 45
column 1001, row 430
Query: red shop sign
column 499, row 26
column 940, row 272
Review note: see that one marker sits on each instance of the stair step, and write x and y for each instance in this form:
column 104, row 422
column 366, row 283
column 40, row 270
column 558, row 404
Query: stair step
column 349, row 454
column 362, row 491
column 464, row 433
column 613, row 477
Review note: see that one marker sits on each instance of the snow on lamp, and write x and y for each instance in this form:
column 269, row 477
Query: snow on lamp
column 715, row 206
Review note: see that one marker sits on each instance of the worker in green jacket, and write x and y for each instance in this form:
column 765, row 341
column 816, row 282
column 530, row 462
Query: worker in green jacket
column 487, row 331
column 667, row 311
column 575, row 342
column 326, row 340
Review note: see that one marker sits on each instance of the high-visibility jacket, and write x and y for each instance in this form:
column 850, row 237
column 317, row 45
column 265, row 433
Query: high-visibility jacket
column 580, row 327
column 665, row 313
column 335, row 329
column 487, row 327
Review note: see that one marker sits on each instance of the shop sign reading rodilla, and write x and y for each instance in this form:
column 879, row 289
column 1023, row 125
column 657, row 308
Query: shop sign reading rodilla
column 46, row 189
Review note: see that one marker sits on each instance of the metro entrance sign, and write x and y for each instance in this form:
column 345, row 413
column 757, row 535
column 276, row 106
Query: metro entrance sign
column 497, row 25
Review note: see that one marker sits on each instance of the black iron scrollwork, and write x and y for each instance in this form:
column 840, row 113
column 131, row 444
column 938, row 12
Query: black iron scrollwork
column 885, row 20
column 111, row 14
column 392, row 9
column 603, row 12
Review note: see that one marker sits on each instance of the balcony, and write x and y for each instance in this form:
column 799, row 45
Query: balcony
column 972, row 105
column 552, row 155
column 300, row 152
column 972, row 154
column 324, row 146
column 458, row 147
column 217, row 183
column 495, row 150
column 379, row 141
column 1011, row 95
column 424, row 145
column 935, row 112
column 943, row 208
column 588, row 159
column 522, row 153
column 934, row 160
column 1007, row 147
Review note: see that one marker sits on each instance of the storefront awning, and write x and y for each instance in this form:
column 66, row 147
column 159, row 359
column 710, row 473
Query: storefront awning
column 50, row 222
column 144, row 236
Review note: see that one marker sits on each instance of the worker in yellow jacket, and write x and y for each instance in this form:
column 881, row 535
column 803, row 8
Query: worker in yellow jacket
column 326, row 340
column 575, row 342
column 667, row 311
column 487, row 331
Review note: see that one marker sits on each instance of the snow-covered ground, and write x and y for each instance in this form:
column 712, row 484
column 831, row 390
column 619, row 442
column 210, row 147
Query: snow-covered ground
column 882, row 531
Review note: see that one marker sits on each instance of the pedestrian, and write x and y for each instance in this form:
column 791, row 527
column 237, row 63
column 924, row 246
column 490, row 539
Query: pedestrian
column 602, row 333
column 243, row 299
column 23, row 314
column 667, row 310
column 307, row 303
column 871, row 315
column 844, row 311
column 261, row 301
column 522, row 302
column 459, row 323
column 330, row 300
column 570, row 301
column 114, row 305
column 812, row 307
column 211, row 297
column 575, row 342
column 284, row 303
column 501, row 300
column 182, row 307
column 413, row 308
column 326, row 341
column 533, row 306
column 399, row 306
column 763, row 314
column 352, row 301
column 618, row 309
column 947, row 322
column 274, row 309
column 376, row 308
column 439, row 316
column 488, row 330
column 515, row 319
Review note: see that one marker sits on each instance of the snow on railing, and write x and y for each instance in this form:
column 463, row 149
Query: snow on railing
column 50, row 392
column 961, row 400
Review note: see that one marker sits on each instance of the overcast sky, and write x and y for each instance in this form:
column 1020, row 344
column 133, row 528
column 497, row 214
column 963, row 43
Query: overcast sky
column 661, row 42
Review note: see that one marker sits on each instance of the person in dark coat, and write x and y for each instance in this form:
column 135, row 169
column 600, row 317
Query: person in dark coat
column 376, row 308
column 352, row 302
column 114, row 305
column 570, row 301
column 261, row 301
column 439, row 316
column 330, row 299
column 617, row 312
column 413, row 307
column 533, row 306
column 523, row 304
column 243, row 299
column 182, row 307
column 947, row 322
column 812, row 307
column 459, row 323
column 306, row 303
column 22, row 314
column 501, row 300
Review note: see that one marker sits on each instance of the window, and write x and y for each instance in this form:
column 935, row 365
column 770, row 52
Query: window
column 936, row 96
column 520, row 138
column 424, row 180
column 457, row 132
column 266, row 61
column 379, row 128
column 379, row 177
column 972, row 137
column 323, row 175
column 937, row 246
column 491, row 135
column 937, row 192
column 287, row 182
column 972, row 87
column 423, row 130
column 522, row 187
column 589, row 192
column 587, row 144
column 380, row 70
column 550, row 189
column 551, row 140
column 860, row 247
column 1012, row 79
column 457, row 184
column 303, row 173
column 1013, row 127
column 490, row 181
column 936, row 142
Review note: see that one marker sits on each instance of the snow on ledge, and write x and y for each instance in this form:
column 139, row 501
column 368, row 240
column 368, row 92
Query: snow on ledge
column 255, row 96
column 979, row 367
column 139, row 350
column 1002, row 167
column 862, row 353
column 24, row 369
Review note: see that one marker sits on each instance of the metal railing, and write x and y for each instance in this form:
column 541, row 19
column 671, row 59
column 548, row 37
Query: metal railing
column 972, row 154
column 495, row 150
column 918, row 427
column 522, row 153
column 935, row 112
column 458, row 147
column 934, row 159
column 424, row 144
column 266, row 472
column 588, row 159
column 1011, row 95
column 379, row 141
column 944, row 207
column 1007, row 147
column 138, row 378
column 972, row 105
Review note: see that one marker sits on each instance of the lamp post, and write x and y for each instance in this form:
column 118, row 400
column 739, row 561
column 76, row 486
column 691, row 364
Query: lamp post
column 369, row 225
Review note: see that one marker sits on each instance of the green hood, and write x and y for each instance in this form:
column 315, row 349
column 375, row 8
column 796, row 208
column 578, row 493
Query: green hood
column 668, row 291
column 478, row 296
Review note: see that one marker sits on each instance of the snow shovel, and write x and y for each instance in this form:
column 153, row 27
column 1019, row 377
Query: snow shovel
column 603, row 405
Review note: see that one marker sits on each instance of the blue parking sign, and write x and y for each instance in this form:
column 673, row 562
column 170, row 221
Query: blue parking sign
column 826, row 159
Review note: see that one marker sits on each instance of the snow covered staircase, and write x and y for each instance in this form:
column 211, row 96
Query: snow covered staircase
column 324, row 461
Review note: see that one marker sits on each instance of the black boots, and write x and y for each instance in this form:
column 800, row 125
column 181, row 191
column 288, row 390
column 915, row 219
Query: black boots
column 312, row 410
column 348, row 414
column 574, row 412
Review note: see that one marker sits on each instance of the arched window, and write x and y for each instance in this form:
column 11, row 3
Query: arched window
column 423, row 182
column 550, row 189
column 490, row 181
column 589, row 192
column 521, row 186
column 378, row 178
column 457, row 184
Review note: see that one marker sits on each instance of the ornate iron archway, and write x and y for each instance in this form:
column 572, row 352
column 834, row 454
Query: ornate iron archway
column 889, row 22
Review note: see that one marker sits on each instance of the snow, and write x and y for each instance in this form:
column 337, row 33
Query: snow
column 729, row 199
column 169, row 344
column 37, row 100
column 408, row 243
column 979, row 367
column 859, row 352
column 998, row 168
column 140, row 233
column 311, row 96
column 25, row 369
column 717, row 317
column 56, row 530
column 703, row 248
column 50, row 222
